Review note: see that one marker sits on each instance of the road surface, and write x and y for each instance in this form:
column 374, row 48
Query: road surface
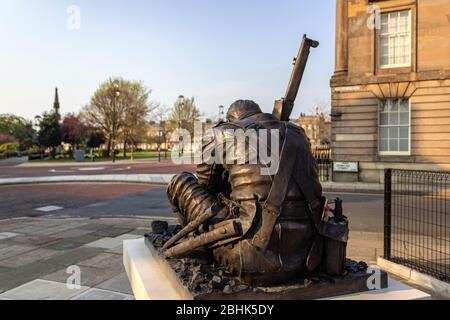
column 99, row 200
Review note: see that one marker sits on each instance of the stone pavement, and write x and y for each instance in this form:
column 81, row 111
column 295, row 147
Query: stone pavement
column 38, row 257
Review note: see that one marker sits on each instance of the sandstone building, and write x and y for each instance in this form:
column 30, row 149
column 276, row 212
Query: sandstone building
column 317, row 128
column 391, row 86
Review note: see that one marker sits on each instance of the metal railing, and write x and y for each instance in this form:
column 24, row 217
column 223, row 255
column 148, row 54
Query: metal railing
column 417, row 221
column 323, row 158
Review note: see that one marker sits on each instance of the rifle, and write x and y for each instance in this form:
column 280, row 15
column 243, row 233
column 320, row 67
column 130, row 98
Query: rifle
column 283, row 108
column 223, row 231
column 192, row 226
column 223, row 204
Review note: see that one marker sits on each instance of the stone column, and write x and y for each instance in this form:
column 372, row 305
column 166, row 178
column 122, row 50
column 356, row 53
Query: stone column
column 341, row 64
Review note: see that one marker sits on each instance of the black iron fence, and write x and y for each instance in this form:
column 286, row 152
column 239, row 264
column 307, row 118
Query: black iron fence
column 417, row 221
column 323, row 158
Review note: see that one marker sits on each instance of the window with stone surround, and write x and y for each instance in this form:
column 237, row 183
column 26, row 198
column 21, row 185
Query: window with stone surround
column 394, row 127
column 395, row 39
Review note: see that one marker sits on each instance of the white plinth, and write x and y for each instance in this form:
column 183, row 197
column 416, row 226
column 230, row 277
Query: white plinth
column 395, row 291
column 151, row 278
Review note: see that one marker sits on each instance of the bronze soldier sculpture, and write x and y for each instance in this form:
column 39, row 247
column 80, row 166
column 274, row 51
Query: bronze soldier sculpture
column 265, row 228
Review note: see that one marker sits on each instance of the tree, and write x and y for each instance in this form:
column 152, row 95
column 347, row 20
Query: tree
column 73, row 130
column 160, row 114
column 28, row 137
column 184, row 115
column 49, row 135
column 114, row 106
column 5, row 138
column 135, row 125
column 17, row 129
column 95, row 139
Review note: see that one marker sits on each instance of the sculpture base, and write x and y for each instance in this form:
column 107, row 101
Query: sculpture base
column 208, row 282
column 152, row 278
column 333, row 287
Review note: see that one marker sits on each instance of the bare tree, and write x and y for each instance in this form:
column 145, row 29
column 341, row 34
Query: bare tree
column 136, row 125
column 160, row 115
column 183, row 116
column 115, row 108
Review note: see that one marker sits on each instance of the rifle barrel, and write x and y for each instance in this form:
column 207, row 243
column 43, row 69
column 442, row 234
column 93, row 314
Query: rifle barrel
column 226, row 231
column 296, row 78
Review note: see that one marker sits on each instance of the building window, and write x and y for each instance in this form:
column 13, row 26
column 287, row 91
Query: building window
column 395, row 129
column 395, row 39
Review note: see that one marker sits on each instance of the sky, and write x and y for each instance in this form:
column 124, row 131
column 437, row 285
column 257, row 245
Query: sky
column 215, row 50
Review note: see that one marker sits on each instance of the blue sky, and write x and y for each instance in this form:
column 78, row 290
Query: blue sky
column 216, row 50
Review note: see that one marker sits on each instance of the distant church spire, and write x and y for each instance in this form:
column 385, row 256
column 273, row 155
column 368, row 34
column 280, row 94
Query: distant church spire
column 56, row 102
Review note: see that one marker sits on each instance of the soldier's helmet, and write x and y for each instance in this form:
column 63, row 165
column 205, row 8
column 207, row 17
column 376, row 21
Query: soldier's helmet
column 242, row 109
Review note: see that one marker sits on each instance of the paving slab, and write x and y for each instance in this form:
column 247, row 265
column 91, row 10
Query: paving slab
column 94, row 226
column 28, row 257
column 130, row 223
column 44, row 247
column 3, row 270
column 125, row 237
column 104, row 243
column 72, row 243
column 112, row 231
column 42, row 290
column 99, row 294
column 116, row 250
column 141, row 231
column 110, row 243
column 14, row 250
column 119, row 283
column 28, row 229
column 59, row 229
column 71, row 257
column 47, row 221
column 14, row 277
column 103, row 260
column 36, row 240
column 90, row 276
column 71, row 233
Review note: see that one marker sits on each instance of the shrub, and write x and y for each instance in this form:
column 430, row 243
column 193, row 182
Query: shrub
column 67, row 153
column 9, row 147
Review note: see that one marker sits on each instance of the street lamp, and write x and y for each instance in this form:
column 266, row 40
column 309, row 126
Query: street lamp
column 162, row 128
column 37, row 123
column 114, row 124
column 182, row 102
column 160, row 135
